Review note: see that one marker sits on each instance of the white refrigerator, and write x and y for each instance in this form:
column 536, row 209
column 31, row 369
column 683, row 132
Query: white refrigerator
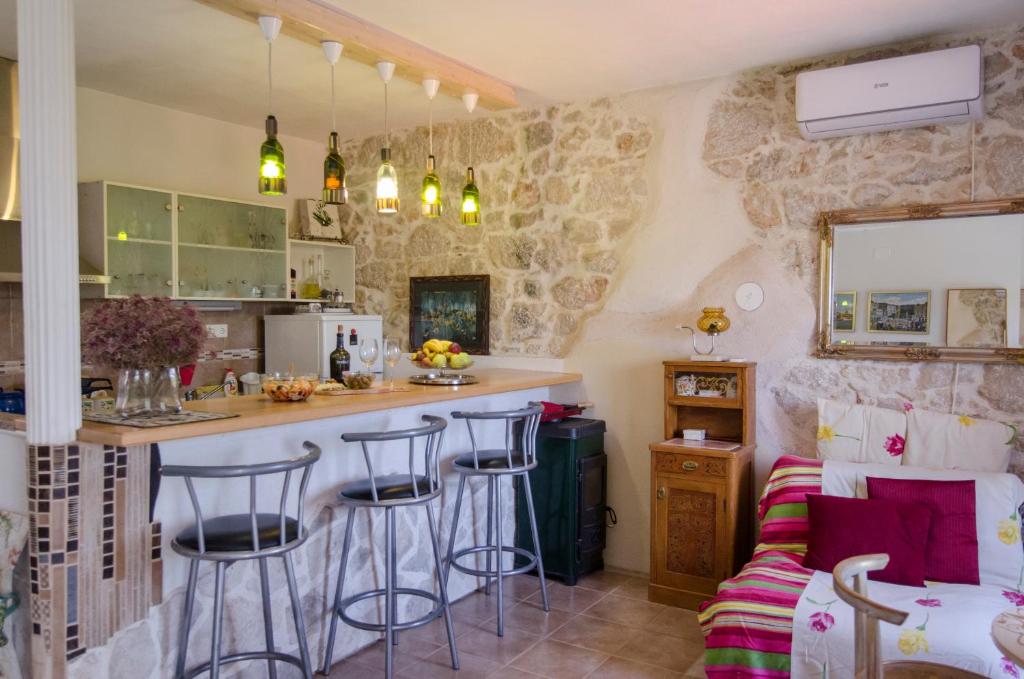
column 303, row 343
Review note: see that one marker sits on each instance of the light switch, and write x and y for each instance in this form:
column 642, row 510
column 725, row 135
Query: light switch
column 216, row 330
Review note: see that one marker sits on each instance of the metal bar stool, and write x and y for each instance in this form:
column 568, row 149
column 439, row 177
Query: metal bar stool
column 389, row 492
column 494, row 464
column 231, row 538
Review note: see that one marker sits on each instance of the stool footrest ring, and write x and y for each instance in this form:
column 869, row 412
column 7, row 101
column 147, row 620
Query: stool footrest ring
column 493, row 573
column 434, row 613
column 239, row 657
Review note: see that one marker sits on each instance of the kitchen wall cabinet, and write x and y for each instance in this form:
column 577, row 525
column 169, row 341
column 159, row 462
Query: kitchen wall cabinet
column 171, row 244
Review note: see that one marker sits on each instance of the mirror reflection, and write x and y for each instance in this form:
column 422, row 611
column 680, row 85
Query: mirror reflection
column 951, row 282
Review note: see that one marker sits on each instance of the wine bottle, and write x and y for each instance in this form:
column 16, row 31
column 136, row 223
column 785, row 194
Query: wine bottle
column 340, row 361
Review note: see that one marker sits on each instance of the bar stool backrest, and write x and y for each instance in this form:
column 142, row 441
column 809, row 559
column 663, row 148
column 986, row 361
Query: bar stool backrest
column 431, row 435
column 530, row 422
column 285, row 467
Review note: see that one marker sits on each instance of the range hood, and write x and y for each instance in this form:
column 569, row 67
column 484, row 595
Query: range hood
column 10, row 202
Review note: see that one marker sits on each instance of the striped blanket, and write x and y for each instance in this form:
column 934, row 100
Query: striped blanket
column 748, row 626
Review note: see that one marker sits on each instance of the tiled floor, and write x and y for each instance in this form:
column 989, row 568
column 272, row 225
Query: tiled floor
column 604, row 628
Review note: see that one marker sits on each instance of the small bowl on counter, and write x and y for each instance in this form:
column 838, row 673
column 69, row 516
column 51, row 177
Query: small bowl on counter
column 288, row 388
column 356, row 380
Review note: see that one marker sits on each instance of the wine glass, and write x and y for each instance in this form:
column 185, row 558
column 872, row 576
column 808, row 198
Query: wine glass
column 369, row 351
column 392, row 355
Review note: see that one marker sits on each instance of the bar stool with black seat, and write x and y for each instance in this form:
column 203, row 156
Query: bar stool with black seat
column 389, row 492
column 513, row 460
column 228, row 539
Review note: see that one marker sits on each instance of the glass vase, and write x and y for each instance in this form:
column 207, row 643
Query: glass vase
column 134, row 392
column 167, row 391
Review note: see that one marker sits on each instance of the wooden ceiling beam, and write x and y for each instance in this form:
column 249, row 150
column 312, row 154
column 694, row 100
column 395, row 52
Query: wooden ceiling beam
column 314, row 21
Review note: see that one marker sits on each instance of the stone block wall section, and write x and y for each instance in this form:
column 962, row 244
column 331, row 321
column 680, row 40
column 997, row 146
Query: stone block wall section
column 562, row 190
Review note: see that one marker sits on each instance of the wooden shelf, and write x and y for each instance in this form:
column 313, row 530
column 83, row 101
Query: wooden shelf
column 705, row 402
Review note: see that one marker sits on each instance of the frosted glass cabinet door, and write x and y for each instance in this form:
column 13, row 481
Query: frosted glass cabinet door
column 223, row 223
column 138, row 214
column 138, row 237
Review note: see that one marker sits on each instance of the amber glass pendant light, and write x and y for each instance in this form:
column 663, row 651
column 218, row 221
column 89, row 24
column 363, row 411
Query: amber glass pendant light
column 387, row 178
column 431, row 193
column 272, row 168
column 470, row 193
column 335, row 192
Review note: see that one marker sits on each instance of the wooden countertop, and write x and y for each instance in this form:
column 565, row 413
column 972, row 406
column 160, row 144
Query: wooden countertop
column 259, row 411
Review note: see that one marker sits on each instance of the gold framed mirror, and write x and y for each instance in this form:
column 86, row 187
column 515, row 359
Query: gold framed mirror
column 941, row 282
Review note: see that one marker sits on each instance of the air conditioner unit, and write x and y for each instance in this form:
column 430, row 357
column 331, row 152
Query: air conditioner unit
column 932, row 88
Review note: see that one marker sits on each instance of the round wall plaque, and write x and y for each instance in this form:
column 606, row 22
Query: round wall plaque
column 749, row 296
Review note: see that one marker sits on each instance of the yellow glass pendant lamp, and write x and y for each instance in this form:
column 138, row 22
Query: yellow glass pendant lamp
column 387, row 178
column 335, row 192
column 430, row 195
column 470, row 193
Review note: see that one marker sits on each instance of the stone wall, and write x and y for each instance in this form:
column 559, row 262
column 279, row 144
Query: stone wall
column 562, row 190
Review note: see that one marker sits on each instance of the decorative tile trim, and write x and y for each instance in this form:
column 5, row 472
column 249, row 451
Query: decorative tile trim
column 230, row 354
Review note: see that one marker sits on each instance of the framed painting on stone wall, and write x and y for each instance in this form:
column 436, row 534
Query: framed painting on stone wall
column 976, row 317
column 456, row 308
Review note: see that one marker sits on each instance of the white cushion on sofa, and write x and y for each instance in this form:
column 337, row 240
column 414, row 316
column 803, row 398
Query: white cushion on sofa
column 997, row 498
column 942, row 441
column 852, row 432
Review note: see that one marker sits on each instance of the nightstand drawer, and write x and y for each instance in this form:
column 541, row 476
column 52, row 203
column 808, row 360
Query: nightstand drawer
column 691, row 465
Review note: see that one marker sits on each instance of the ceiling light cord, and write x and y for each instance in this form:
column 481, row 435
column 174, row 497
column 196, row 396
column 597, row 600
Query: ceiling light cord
column 270, row 77
column 387, row 135
column 334, row 108
column 430, row 125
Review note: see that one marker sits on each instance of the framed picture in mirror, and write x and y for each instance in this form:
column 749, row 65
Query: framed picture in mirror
column 976, row 317
column 904, row 311
column 844, row 312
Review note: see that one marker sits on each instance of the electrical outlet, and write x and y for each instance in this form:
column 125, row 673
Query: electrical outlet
column 216, row 330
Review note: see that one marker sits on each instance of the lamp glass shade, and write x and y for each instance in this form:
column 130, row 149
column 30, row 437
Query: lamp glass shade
column 431, row 193
column 335, row 192
column 470, row 201
column 713, row 320
column 272, row 167
column 387, row 184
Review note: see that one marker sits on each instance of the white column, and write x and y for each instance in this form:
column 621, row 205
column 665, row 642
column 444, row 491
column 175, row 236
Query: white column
column 49, row 228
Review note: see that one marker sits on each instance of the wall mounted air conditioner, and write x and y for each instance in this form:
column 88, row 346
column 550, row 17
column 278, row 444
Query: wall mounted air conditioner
column 932, row 88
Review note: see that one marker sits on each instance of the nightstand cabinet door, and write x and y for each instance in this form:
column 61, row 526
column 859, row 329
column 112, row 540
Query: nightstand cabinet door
column 690, row 533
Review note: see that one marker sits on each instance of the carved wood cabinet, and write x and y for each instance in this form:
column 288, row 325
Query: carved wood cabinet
column 702, row 493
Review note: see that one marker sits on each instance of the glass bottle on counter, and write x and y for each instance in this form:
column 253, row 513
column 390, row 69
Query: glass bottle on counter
column 340, row 361
column 311, row 281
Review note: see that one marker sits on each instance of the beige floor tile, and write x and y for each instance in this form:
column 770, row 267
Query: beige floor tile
column 517, row 588
column 475, row 608
column 677, row 622
column 592, row 633
column 439, row 666
column 624, row 610
column 569, row 599
column 633, row 587
column 435, row 631
column 531, row 617
column 350, row 670
column 667, row 652
column 602, row 581
column 556, row 660
column 407, row 652
column 484, row 641
column 620, row 668
column 512, row 673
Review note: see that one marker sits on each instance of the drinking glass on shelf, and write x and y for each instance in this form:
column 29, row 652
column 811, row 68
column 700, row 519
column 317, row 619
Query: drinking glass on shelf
column 369, row 351
column 392, row 355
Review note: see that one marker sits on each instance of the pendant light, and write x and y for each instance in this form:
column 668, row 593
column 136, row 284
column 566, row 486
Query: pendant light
column 272, row 169
column 470, row 193
column 387, row 178
column 431, row 194
column 335, row 192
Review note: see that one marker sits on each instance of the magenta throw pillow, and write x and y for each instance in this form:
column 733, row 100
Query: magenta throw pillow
column 952, row 551
column 841, row 527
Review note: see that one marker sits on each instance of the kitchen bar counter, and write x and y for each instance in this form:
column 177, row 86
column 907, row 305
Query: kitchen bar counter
column 260, row 411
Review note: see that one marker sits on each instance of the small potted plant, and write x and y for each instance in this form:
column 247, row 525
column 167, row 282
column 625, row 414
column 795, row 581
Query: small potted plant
column 145, row 339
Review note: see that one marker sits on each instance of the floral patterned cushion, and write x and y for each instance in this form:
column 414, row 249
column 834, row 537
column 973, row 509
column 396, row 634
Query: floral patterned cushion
column 13, row 534
column 851, row 432
column 941, row 441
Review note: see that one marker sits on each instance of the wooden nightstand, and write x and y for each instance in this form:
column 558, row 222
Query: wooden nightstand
column 702, row 494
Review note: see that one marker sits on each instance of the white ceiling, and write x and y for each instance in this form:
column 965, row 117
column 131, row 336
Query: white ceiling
column 186, row 56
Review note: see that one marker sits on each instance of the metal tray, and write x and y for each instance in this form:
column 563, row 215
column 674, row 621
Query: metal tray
column 444, row 379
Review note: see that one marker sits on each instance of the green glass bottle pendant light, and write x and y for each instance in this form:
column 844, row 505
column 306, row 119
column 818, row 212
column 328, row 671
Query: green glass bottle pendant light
column 470, row 193
column 387, row 178
column 335, row 191
column 272, row 169
column 431, row 193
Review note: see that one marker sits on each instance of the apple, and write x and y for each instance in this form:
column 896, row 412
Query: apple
column 454, row 348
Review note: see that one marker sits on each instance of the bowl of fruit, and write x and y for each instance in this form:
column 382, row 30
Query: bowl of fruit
column 288, row 389
column 437, row 357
